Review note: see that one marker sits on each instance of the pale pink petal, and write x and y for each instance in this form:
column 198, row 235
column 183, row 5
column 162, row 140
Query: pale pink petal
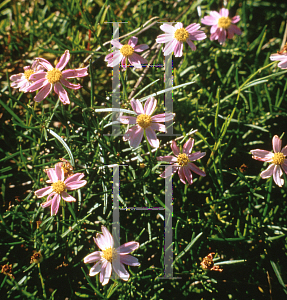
column 137, row 61
column 151, row 137
column 277, row 56
column 129, row 260
column 213, row 28
column 141, row 48
column 46, row 204
column 133, row 41
column 74, row 177
column 134, row 135
column 93, row 257
column 75, row 73
column 124, row 62
column 187, row 147
column 43, row 93
column 121, row 272
column 169, row 48
column 178, row 25
column 70, row 85
column 192, row 27
column 178, row 49
column 63, row 96
column 222, row 36
column 209, row 20
column 262, row 155
column 170, row 170
column 235, row 19
column 101, row 242
column 268, row 172
column 168, row 158
column 215, row 14
column 52, row 175
column 37, row 76
column 284, row 166
column 197, row 36
column 45, row 63
column 109, row 57
column 44, row 191
column 63, row 60
column 224, row 12
column 17, row 77
column 174, row 148
column 167, row 28
column 55, row 204
column 115, row 59
column 116, row 44
column 166, row 117
column 283, row 64
column 105, row 272
column 128, row 247
column 158, row 127
column 150, row 106
column 127, row 120
column 276, row 143
column 95, row 269
column 284, row 151
column 164, row 38
column 277, row 173
column 137, row 106
column 59, row 172
column 187, row 175
column 195, row 169
column 191, row 44
column 108, row 237
column 181, row 175
column 233, row 29
column 38, row 84
column 75, row 185
column 68, row 197
column 196, row 155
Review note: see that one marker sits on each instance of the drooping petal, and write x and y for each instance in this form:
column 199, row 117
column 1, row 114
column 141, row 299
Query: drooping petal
column 196, row 169
column 44, row 92
column 170, row 170
column 105, row 272
column 108, row 237
column 46, row 204
column 181, row 175
column 187, row 147
column 68, row 197
column 158, row 127
column 63, row 95
column 133, row 41
column 174, row 148
column 70, row 85
column 191, row 45
column 92, row 258
column 268, row 172
column 134, row 135
column 137, row 106
column 235, row 19
column 222, row 36
column 95, row 269
column 63, row 60
column 169, row 48
column 121, row 271
column 37, row 85
column 128, row 247
column 168, row 158
column 55, row 204
column 115, row 59
column 37, row 76
column 276, row 143
column 44, row 191
column 178, row 49
column 262, row 155
column 151, row 137
column 234, row 29
column 150, row 106
column 137, row 61
column 129, row 260
column 283, row 64
column 277, row 173
column 187, row 175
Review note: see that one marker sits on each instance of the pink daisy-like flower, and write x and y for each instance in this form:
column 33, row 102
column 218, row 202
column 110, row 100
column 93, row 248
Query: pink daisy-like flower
column 127, row 52
column 103, row 259
column 144, row 123
column 176, row 35
column 182, row 162
column 277, row 158
column 21, row 80
column 281, row 56
column 55, row 77
column 58, row 188
column 220, row 23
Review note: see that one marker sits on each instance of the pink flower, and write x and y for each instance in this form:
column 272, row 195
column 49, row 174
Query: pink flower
column 182, row 162
column 220, row 23
column 144, row 123
column 282, row 56
column 103, row 259
column 277, row 158
column 21, row 80
column 54, row 77
column 127, row 52
column 58, row 188
column 176, row 35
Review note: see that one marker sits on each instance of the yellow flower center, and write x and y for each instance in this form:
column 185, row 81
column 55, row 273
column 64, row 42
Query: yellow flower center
column 181, row 34
column 54, row 75
column 182, row 159
column 28, row 73
column 224, row 22
column 127, row 50
column 278, row 158
column 59, row 186
column 144, row 121
column 109, row 254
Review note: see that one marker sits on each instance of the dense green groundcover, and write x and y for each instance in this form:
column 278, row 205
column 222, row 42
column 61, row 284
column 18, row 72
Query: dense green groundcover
column 237, row 103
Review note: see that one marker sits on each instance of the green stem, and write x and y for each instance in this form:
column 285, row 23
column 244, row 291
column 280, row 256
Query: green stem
column 42, row 282
column 63, row 215
column 148, row 146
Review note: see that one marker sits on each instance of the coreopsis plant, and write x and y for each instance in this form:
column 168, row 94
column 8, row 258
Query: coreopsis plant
column 176, row 35
column 55, row 77
column 281, row 56
column 221, row 24
column 127, row 53
column 182, row 162
column 144, row 123
column 60, row 185
column 104, row 259
column 22, row 80
column 277, row 159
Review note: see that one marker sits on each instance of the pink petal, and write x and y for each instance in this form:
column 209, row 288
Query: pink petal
column 187, row 175
column 45, row 63
column 284, row 151
column 19, row 76
column 46, row 204
column 75, row 73
column 224, row 12
column 167, row 28
column 93, row 257
column 75, row 185
column 191, row 44
column 150, row 106
column 178, row 25
column 158, row 127
column 283, row 64
column 170, row 170
column 214, row 28
column 44, row 92
column 137, row 61
column 63, row 60
column 195, row 169
column 215, row 35
column 121, row 272
column 137, row 106
column 101, row 242
column 55, row 204
column 233, row 29
column 166, row 117
column 133, row 41
column 68, row 197
column 105, row 272
column 95, row 269
column 209, row 20
column 115, row 59
column 178, row 49
column 196, row 155
column 277, row 56
column 181, row 175
column 187, row 147
column 222, row 36
column 128, row 247
column 70, row 85
column 52, row 175
column 192, row 27
column 38, row 84
column 59, row 173
column 277, row 173
column 74, row 177
column 262, row 155
column 284, row 166
column 168, row 158
column 63, row 96
column 141, row 48
column 276, row 143
column 116, row 44
column 136, row 136
column 164, row 38
column 235, row 19
column 215, row 14
column 129, row 260
column 128, row 120
column 174, row 148
column 151, row 137
column 44, row 191
column 268, row 172
column 169, row 48
column 108, row 237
